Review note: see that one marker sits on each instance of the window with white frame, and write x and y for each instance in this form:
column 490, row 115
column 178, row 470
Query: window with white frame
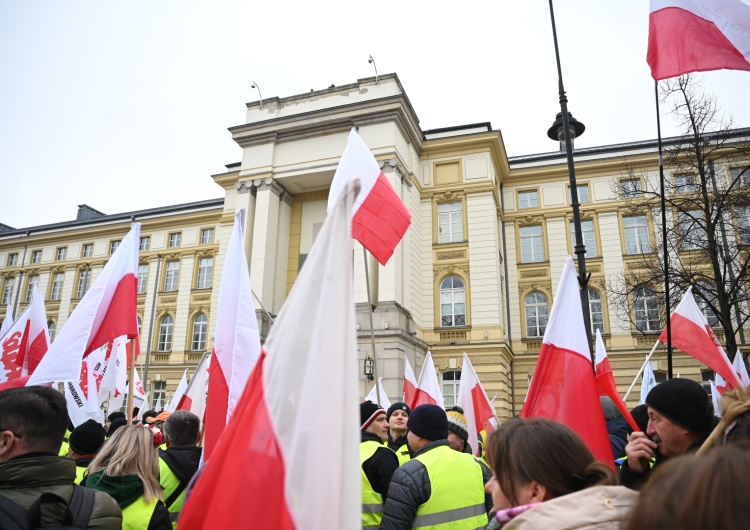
column 57, row 285
column 200, row 331
column 13, row 259
column 451, row 380
column 36, row 256
column 166, row 328
column 532, row 244
column 450, row 222
column 692, row 232
column 175, row 239
column 144, row 243
column 172, row 276
column 205, row 273
column 207, row 235
column 87, row 250
column 528, row 199
column 62, row 253
column 142, row 277
column 589, row 237
column 646, row 308
column 583, row 193
column 34, row 278
column 113, row 246
column 596, row 311
column 10, row 282
column 630, row 188
column 707, row 301
column 684, row 182
column 159, row 393
column 636, row 234
column 537, row 314
column 452, row 302
column 51, row 330
column 84, row 280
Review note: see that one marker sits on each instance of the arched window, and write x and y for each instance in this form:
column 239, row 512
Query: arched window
column 537, row 313
column 200, row 329
column 646, row 307
column 52, row 329
column 166, row 328
column 452, row 302
column 596, row 310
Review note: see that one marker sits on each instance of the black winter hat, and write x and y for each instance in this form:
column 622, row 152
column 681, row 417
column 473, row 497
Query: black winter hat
column 640, row 415
column 428, row 422
column 368, row 411
column 115, row 415
column 116, row 424
column 683, row 402
column 399, row 405
column 87, row 438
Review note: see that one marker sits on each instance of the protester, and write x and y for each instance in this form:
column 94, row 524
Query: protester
column 180, row 461
column 32, row 424
column 544, row 476
column 697, row 492
column 377, row 462
column 85, row 442
column 397, row 416
column 148, row 417
column 680, row 419
column 127, row 468
column 617, row 426
column 116, row 424
column 439, row 485
column 112, row 417
column 458, row 433
column 734, row 425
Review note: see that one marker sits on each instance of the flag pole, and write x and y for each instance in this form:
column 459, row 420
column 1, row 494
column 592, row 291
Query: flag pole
column 131, row 381
column 372, row 330
column 648, row 358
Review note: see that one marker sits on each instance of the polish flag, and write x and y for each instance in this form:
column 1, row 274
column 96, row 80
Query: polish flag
column 648, row 381
column 563, row 387
column 379, row 216
column 473, row 399
column 178, row 393
column 715, row 399
column 236, row 341
column 107, row 310
column 428, row 387
column 7, row 321
column 740, row 369
column 273, row 462
column 697, row 36
column 692, row 334
column 194, row 399
column 605, row 381
column 410, row 382
column 373, row 396
column 81, row 397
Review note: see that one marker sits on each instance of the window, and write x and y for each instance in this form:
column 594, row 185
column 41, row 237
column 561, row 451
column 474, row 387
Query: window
column 646, row 308
column 207, row 235
column 165, row 334
column 684, row 182
column 145, row 243
column 707, row 300
column 528, row 199
column 452, row 302
column 34, row 278
column 743, row 224
column 113, row 246
column 596, row 310
column 36, row 256
column 142, row 277
column 589, row 237
column 62, row 253
column 450, row 222
column 175, row 239
column 13, row 259
column 57, row 285
column 173, row 276
column 583, row 193
column 532, row 244
column 10, row 282
column 636, row 234
column 741, row 175
column 88, row 250
column 84, row 278
column 140, row 323
column 537, row 313
column 159, row 393
column 205, row 272
column 630, row 188
column 693, row 235
column 451, row 382
column 52, row 330
column 200, row 329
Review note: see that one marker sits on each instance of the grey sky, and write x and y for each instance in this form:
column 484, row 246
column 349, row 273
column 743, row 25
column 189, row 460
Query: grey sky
column 126, row 105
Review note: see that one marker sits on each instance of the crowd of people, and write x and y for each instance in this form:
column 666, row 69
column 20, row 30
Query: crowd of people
column 684, row 468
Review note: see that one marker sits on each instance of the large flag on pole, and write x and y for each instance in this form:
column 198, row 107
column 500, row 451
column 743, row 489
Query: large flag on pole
column 473, row 399
column 194, row 399
column 236, row 341
column 428, row 387
column 379, row 216
column 563, row 387
column 178, row 393
column 410, row 381
column 107, row 311
column 697, row 36
column 269, row 463
column 605, row 381
column 740, row 369
column 692, row 334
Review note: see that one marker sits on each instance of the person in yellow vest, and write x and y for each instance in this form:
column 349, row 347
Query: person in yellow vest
column 377, row 462
column 127, row 468
column 180, row 461
column 84, row 443
column 397, row 416
column 439, row 488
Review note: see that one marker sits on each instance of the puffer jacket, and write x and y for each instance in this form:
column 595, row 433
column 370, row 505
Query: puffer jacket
column 23, row 480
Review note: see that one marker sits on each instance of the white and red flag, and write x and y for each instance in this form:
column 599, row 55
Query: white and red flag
column 384, row 402
column 715, row 399
column 7, row 321
column 139, row 393
column 605, row 381
column 563, row 387
column 692, row 334
column 236, row 341
column 194, row 399
column 697, row 36
column 379, row 217
column 106, row 311
column 473, row 399
column 178, row 393
column 740, row 369
column 428, row 387
column 410, row 382
column 269, row 463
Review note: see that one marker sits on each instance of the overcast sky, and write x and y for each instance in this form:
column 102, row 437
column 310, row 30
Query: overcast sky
column 126, row 105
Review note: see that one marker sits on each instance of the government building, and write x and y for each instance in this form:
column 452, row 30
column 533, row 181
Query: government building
column 476, row 272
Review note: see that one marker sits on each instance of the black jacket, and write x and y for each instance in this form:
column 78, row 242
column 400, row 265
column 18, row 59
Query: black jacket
column 399, row 445
column 380, row 466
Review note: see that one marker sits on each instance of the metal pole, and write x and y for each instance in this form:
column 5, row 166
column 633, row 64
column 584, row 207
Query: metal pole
column 151, row 323
column 580, row 247
column 372, row 330
column 131, row 381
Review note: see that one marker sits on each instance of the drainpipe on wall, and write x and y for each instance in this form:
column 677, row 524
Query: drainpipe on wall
column 507, row 308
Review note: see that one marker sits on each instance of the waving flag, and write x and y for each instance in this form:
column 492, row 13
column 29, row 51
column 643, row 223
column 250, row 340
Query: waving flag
column 410, row 382
column 384, row 402
column 428, row 387
column 178, row 393
column 715, row 399
column 473, row 399
column 379, row 217
column 740, row 369
column 194, row 399
column 697, row 36
column 563, row 387
column 7, row 321
column 605, row 381
column 648, row 381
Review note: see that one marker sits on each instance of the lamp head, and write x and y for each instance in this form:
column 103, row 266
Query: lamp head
column 557, row 132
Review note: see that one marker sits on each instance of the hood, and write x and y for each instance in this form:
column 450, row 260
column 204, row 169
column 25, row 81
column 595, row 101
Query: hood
column 183, row 461
column 125, row 489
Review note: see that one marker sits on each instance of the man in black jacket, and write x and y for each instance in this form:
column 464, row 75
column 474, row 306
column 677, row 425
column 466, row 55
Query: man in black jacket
column 397, row 416
column 180, row 461
column 377, row 462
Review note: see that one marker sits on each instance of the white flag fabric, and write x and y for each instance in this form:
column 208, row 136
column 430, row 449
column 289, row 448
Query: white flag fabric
column 428, row 387
column 139, row 393
column 7, row 321
column 739, row 367
column 194, row 399
column 473, row 399
column 178, row 393
column 372, row 396
column 647, row 383
column 410, row 382
column 715, row 399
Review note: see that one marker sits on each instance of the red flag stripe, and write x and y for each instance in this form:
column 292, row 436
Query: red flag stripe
column 216, row 408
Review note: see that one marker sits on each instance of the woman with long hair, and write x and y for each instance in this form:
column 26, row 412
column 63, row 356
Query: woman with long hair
column 127, row 468
column 540, row 469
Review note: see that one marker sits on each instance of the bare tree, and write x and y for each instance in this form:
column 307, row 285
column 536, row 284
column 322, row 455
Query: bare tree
column 707, row 195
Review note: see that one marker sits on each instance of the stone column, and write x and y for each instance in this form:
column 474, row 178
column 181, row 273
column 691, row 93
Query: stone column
column 265, row 240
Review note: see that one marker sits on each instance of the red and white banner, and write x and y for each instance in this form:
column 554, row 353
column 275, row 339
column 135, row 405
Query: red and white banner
column 428, row 387
column 178, row 393
column 107, row 311
column 473, row 399
column 194, row 399
column 410, row 382
column 379, row 217
column 7, row 321
column 697, row 36
column 692, row 334
column 605, row 381
column 740, row 369
column 236, row 341
column 273, row 462
column 563, row 387
column 384, row 402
